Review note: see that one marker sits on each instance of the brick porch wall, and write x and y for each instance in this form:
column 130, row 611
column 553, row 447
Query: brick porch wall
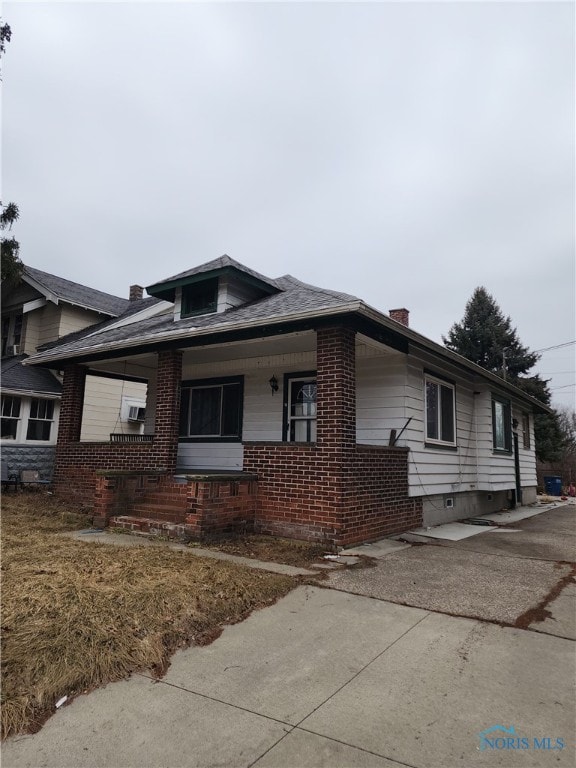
column 76, row 463
column 296, row 500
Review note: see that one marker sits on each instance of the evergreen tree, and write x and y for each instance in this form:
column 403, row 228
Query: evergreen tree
column 488, row 338
column 11, row 264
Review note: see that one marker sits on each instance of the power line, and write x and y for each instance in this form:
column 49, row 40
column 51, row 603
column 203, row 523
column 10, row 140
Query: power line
column 558, row 346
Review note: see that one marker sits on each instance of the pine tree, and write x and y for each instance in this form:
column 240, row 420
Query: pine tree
column 486, row 336
column 11, row 264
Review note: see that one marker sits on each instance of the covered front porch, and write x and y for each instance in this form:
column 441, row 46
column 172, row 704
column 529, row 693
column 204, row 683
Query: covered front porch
column 297, row 472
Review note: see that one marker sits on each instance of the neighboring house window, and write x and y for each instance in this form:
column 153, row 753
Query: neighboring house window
column 526, row 430
column 212, row 409
column 501, row 424
column 440, row 412
column 300, row 408
column 199, row 298
column 40, row 420
column 11, row 333
column 10, row 417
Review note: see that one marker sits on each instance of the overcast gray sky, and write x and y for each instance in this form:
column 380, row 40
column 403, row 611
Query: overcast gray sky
column 403, row 152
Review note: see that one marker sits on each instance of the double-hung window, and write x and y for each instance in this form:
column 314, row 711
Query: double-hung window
column 40, row 419
column 211, row 410
column 501, row 424
column 10, row 417
column 440, row 404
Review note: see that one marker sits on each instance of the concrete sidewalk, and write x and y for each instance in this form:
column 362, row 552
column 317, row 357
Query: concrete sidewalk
column 324, row 678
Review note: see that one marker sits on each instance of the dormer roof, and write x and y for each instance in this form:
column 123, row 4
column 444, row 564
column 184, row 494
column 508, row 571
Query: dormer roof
column 224, row 265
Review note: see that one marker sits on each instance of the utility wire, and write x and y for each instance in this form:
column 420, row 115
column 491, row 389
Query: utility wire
column 558, row 346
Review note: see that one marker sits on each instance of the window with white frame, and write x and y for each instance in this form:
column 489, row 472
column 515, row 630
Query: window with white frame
column 40, row 419
column 440, row 405
column 10, row 417
column 501, row 424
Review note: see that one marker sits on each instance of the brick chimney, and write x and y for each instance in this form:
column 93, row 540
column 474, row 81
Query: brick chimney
column 400, row 315
column 136, row 292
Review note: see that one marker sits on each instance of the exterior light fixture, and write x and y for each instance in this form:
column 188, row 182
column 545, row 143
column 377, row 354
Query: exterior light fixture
column 515, row 423
column 273, row 384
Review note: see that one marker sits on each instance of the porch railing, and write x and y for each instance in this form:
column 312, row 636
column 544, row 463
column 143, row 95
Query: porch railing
column 117, row 437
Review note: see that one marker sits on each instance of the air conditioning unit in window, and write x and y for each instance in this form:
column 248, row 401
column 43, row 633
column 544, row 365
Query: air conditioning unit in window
column 136, row 414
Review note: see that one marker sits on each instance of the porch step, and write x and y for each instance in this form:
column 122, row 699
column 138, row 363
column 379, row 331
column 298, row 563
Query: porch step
column 152, row 527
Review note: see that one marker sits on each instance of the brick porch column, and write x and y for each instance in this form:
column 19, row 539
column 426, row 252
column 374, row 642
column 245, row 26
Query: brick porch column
column 336, row 417
column 167, row 408
column 336, row 380
column 72, row 404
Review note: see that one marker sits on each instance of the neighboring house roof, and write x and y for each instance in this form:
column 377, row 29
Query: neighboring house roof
column 59, row 289
column 295, row 305
column 20, row 378
column 135, row 307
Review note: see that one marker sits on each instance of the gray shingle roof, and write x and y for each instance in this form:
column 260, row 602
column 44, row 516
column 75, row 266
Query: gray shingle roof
column 24, row 378
column 74, row 293
column 221, row 263
column 293, row 297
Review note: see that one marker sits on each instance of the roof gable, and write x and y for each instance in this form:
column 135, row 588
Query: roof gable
column 58, row 289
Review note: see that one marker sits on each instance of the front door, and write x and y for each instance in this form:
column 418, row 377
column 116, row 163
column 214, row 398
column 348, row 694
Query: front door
column 301, row 410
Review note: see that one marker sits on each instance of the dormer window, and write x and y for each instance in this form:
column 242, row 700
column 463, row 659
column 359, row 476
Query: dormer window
column 199, row 298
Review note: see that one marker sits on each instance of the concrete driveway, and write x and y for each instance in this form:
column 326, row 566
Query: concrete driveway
column 330, row 678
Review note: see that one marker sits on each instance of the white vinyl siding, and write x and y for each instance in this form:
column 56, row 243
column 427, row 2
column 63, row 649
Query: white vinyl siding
column 437, row 470
column 380, row 395
column 102, row 412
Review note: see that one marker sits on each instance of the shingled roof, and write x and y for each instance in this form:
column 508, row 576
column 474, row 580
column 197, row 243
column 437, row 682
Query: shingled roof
column 23, row 378
column 292, row 297
column 75, row 293
column 223, row 262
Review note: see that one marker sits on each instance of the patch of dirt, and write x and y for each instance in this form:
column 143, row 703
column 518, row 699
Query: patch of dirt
column 301, row 554
column 79, row 615
column 540, row 612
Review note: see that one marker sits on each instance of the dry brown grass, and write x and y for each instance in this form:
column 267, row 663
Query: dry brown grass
column 302, row 554
column 76, row 615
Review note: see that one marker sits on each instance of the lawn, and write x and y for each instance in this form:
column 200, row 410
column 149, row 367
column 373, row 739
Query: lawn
column 78, row 615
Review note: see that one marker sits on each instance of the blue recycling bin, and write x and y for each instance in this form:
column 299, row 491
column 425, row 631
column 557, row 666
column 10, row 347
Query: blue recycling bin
column 553, row 485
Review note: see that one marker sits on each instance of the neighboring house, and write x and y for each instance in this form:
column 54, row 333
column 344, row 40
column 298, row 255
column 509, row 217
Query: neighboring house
column 36, row 312
column 291, row 409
